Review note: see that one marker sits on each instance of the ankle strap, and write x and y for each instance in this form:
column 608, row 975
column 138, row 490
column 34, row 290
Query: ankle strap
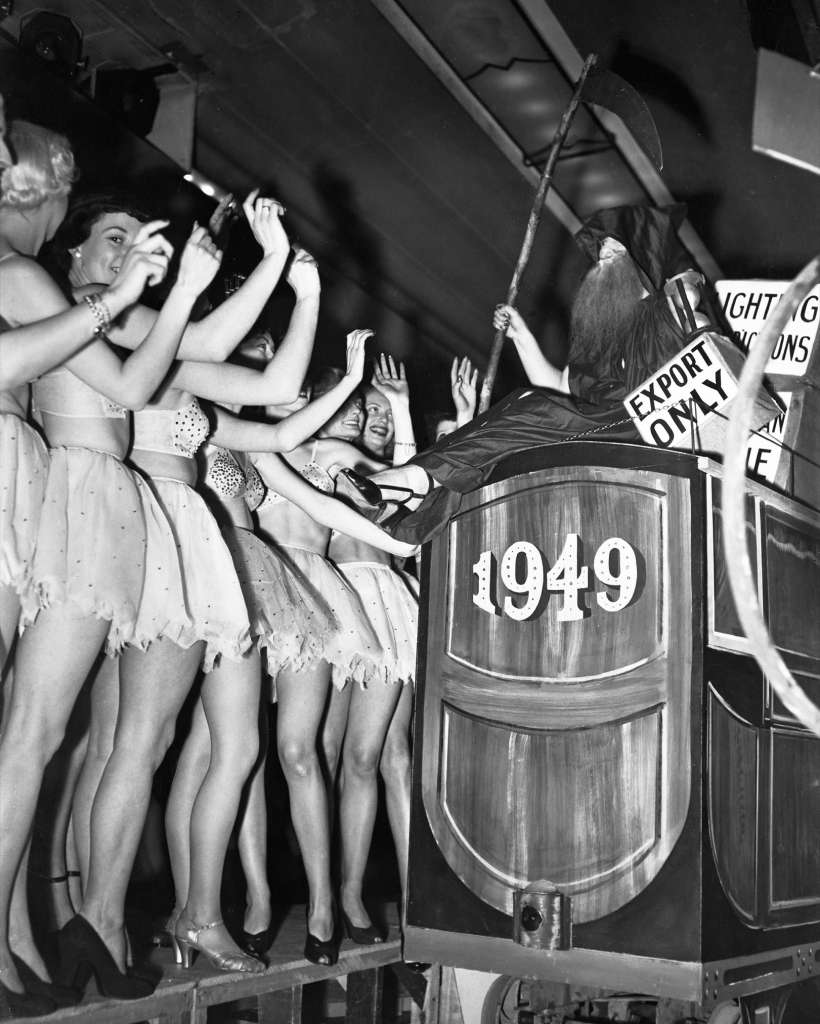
column 198, row 929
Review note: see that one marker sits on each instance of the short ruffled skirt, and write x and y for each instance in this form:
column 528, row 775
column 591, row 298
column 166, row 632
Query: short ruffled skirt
column 213, row 596
column 90, row 548
column 391, row 603
column 162, row 613
column 352, row 650
column 23, row 475
column 289, row 619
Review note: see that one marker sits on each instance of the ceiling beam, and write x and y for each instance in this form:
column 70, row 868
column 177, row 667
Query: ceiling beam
column 424, row 49
column 555, row 39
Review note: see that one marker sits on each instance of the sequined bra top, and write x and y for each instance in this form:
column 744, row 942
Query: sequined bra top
column 317, row 476
column 61, row 393
column 226, row 477
column 171, row 431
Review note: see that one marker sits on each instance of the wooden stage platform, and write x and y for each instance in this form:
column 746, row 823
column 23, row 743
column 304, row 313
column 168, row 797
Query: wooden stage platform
column 275, row 997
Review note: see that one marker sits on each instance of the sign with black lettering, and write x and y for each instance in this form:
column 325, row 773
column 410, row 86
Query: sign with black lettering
column 748, row 304
column 685, row 404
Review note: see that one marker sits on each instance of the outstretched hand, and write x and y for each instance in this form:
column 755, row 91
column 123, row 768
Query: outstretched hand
column 464, row 389
column 199, row 262
column 354, row 370
column 145, row 262
column 264, row 219
column 389, row 378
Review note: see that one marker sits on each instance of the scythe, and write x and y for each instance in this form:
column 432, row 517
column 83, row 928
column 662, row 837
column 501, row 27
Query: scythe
column 604, row 89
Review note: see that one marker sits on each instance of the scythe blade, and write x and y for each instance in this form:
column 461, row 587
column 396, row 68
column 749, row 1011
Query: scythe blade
column 608, row 90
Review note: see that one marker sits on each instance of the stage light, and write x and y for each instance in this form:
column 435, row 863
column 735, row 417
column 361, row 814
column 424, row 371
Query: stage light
column 205, row 185
column 54, row 39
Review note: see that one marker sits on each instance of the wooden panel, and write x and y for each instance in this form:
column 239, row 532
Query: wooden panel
column 792, row 552
column 521, row 712
column 578, row 805
column 733, row 804
column 725, row 631
column 541, row 646
column 795, row 822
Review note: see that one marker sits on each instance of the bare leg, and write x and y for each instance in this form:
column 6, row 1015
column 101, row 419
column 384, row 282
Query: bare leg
column 333, row 730
column 225, row 738
column 302, row 697
column 9, row 616
column 395, row 769
column 153, row 686
column 64, row 639
column 253, row 840
column 105, row 702
column 367, row 725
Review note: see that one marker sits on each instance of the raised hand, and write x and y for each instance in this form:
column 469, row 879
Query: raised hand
column 390, row 379
column 464, row 389
column 145, row 262
column 199, row 262
column 263, row 216
column 303, row 275
column 354, row 370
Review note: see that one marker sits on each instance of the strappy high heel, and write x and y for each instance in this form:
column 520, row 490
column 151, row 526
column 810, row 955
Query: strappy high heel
column 186, row 943
column 83, row 953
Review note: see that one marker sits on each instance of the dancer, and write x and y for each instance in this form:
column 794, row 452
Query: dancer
column 166, row 437
column 80, row 591
column 353, row 650
column 222, row 744
column 370, row 722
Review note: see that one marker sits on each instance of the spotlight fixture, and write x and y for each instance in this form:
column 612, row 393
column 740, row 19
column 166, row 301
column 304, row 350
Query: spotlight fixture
column 205, row 185
column 55, row 40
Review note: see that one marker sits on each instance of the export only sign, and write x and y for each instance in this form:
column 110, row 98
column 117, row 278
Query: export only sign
column 748, row 304
column 671, row 408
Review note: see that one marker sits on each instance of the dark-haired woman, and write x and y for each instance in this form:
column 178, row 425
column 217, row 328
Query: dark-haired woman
column 84, row 584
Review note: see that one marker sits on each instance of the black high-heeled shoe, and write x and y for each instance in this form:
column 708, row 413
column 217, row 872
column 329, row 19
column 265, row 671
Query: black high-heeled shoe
column 374, row 501
column 324, row 952
column 83, row 953
column 37, row 986
column 23, row 1004
column 257, row 943
column 369, row 935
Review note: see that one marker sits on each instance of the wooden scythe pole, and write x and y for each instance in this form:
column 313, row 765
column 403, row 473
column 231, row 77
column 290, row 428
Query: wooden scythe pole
column 532, row 226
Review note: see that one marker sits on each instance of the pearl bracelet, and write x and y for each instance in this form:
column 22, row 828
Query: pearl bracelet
column 102, row 314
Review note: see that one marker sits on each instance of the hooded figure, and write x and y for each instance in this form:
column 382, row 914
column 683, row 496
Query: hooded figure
column 635, row 250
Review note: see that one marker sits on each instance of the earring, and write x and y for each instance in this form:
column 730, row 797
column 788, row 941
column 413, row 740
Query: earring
column 76, row 253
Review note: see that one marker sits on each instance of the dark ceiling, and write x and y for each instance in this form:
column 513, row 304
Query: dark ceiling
column 401, row 138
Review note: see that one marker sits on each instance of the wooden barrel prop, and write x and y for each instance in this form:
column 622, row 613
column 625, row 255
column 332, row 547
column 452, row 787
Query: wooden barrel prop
column 557, row 686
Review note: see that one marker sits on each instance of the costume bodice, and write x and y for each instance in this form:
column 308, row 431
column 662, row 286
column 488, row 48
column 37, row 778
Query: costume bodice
column 317, row 476
column 171, row 431
column 228, row 479
column 61, row 393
